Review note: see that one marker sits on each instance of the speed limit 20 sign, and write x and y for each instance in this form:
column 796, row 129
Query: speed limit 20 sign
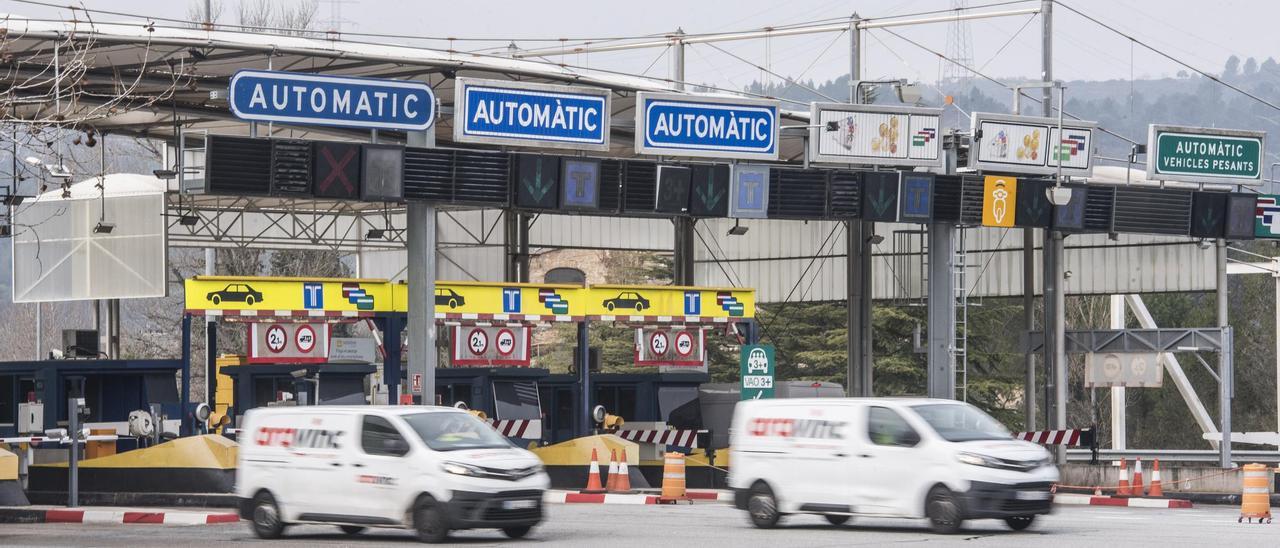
column 288, row 342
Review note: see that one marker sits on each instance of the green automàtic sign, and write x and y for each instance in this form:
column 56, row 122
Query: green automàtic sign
column 757, row 368
column 1208, row 155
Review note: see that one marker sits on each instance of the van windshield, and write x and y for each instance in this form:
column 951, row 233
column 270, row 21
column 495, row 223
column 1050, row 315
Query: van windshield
column 957, row 422
column 454, row 431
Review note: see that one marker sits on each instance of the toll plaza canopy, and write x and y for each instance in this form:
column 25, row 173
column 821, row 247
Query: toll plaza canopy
column 169, row 72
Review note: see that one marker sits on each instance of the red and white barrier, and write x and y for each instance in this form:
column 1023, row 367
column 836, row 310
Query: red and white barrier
column 37, row 440
column 119, row 517
column 678, row 438
column 1052, row 437
column 1093, row 500
column 529, row 429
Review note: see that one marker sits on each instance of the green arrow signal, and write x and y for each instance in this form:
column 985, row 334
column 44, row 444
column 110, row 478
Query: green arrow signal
column 882, row 201
column 538, row 188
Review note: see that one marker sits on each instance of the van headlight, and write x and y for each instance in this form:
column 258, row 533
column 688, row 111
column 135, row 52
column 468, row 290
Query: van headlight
column 461, row 469
column 978, row 460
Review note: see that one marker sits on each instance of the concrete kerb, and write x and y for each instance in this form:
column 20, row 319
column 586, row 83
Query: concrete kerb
column 114, row 516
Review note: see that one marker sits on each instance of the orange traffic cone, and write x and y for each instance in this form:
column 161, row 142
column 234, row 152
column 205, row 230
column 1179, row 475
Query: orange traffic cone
column 623, row 483
column 1156, row 490
column 1139, row 488
column 593, row 475
column 1123, row 491
column 613, row 470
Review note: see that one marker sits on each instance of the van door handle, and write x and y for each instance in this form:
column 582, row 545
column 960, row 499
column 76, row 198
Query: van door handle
column 864, row 455
column 357, row 465
column 335, row 464
column 841, row 455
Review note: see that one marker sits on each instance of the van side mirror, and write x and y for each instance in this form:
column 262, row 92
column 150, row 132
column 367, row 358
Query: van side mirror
column 395, row 446
column 909, row 438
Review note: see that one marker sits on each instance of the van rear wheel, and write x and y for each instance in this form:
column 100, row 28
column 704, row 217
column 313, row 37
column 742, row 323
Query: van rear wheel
column 837, row 519
column 430, row 522
column 267, row 523
column 1018, row 523
column 943, row 511
column 763, row 507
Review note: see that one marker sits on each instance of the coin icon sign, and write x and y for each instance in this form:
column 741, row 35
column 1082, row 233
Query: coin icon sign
column 506, row 341
column 478, row 341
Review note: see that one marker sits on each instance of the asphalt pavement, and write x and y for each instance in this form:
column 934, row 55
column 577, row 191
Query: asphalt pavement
column 712, row 524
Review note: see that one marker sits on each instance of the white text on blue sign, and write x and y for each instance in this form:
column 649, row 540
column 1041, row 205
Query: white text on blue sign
column 534, row 115
column 739, row 129
column 331, row 100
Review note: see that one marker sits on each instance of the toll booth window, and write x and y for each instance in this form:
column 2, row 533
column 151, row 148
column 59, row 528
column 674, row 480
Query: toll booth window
column 886, row 427
column 516, row 400
column 341, row 390
column 379, row 437
column 450, row 394
column 619, row 400
column 679, row 407
column 8, row 400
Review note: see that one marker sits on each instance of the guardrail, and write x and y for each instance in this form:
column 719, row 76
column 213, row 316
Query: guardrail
column 1174, row 455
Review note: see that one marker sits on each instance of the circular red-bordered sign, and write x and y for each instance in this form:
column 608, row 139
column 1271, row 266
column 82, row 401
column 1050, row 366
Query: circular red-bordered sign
column 684, row 344
column 659, row 343
column 478, row 341
column 505, row 341
column 276, row 339
column 305, row 339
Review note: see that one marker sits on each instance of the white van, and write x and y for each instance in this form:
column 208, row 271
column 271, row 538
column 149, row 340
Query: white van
column 432, row 469
column 901, row 457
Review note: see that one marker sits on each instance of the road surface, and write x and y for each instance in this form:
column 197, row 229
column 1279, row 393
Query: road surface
column 711, row 524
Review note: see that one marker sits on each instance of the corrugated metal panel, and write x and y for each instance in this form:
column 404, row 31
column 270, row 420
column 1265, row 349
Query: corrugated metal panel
column 774, row 255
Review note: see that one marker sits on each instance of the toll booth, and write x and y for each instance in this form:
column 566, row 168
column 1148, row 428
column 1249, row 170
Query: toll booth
column 319, row 384
column 508, row 396
column 639, row 398
column 111, row 388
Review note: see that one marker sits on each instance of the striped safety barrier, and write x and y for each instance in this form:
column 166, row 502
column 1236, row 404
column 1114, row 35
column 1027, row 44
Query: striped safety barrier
column 678, row 438
column 36, row 440
column 529, row 429
column 1075, row 437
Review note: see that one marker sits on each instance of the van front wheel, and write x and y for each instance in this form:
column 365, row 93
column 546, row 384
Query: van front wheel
column 430, row 522
column 517, row 532
column 763, row 507
column 267, row 523
column 943, row 511
column 1018, row 523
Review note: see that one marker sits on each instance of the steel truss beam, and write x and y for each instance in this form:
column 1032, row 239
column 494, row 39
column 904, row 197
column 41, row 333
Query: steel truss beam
column 1134, row 340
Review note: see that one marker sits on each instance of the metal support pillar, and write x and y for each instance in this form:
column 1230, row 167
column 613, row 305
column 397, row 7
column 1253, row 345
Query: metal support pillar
column 391, row 327
column 584, row 380
column 421, row 220
column 522, row 252
column 511, row 246
column 858, row 261
column 113, row 329
column 73, row 462
column 1226, row 391
column 942, row 312
column 210, row 338
column 185, row 399
column 1029, row 407
column 1226, row 369
column 1056, row 323
column 682, row 260
column 39, row 331
column 1119, row 426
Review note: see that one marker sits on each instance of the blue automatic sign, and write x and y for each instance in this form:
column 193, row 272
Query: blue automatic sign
column 682, row 125
column 298, row 98
column 514, row 113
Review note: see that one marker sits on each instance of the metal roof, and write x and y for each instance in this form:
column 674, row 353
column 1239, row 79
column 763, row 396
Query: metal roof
column 192, row 62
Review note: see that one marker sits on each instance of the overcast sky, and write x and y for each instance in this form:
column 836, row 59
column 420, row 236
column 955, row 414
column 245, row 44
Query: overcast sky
column 1201, row 33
